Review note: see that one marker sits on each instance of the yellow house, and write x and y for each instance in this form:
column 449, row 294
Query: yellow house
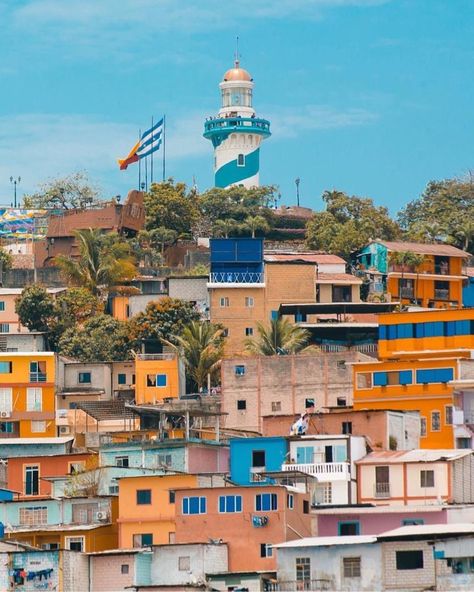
column 27, row 400
column 147, row 507
column 158, row 377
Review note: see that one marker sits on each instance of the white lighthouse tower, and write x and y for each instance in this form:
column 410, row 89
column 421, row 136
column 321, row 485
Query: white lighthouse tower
column 236, row 133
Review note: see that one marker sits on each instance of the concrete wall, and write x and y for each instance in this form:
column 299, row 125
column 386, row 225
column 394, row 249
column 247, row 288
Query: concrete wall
column 185, row 564
column 106, row 572
column 101, row 376
column 463, row 480
column 75, row 571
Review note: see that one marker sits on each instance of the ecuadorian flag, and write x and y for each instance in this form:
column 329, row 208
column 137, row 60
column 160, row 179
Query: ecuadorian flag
column 149, row 142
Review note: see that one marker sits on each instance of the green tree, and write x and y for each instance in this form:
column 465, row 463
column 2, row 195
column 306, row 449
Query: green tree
column 447, row 204
column 163, row 236
column 100, row 339
column 104, row 262
column 257, row 224
column 201, row 345
column 168, row 205
column 78, row 305
column 69, row 192
column 279, row 338
column 163, row 319
column 226, row 228
column 6, row 260
column 408, row 262
column 35, row 308
column 348, row 223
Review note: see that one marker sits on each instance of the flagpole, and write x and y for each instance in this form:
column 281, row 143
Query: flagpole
column 146, row 174
column 164, row 148
column 151, row 155
column 139, row 166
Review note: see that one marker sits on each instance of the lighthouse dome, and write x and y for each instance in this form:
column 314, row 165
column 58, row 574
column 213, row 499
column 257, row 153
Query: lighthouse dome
column 237, row 73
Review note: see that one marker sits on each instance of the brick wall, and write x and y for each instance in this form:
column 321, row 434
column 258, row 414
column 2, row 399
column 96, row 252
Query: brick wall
column 106, row 572
column 75, row 574
column 462, row 480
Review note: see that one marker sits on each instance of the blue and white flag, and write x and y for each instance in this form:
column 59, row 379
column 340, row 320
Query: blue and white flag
column 151, row 140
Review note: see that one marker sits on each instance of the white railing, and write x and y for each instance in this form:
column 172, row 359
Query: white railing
column 231, row 277
column 365, row 348
column 149, row 357
column 335, row 471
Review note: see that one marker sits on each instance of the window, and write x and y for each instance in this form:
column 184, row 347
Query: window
column 276, row 406
column 426, row 478
column 33, row 516
column 124, row 568
column 239, row 370
column 6, row 367
column 34, row 399
column 258, row 458
column 341, row 293
column 184, row 563
column 412, row 521
column 435, row 421
column 266, row 502
column 266, row 550
column 142, row 540
column 443, row 375
column 364, row 380
column 348, row 528
column 37, row 371
column 351, row 567
column 2, row 305
column 121, row 461
column 305, row 507
column 402, row 377
column 225, row 332
column 122, row 379
column 84, row 378
column 224, row 302
column 6, row 404
column 165, row 459
column 409, row 559
column 248, row 331
column 38, row 427
column 143, row 497
column 32, row 480
column 309, row 403
column 303, row 569
column 230, row 503
column 448, row 415
column 347, row 427
column 171, row 497
column 156, row 380
column 4, row 328
column 75, row 543
column 422, row 427
column 241, row 404
column 240, row 160
column 194, row 505
column 322, row 493
column 290, row 501
column 249, row 301
column 7, row 427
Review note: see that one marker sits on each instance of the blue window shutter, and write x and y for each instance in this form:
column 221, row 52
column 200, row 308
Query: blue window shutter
column 423, row 376
column 238, row 503
column 258, row 503
column 340, row 453
column 202, row 505
column 194, row 505
column 221, row 503
column 450, row 328
column 405, row 330
column 382, row 332
column 161, row 379
column 444, row 374
column 392, row 331
column 300, row 455
column 185, row 505
column 380, row 379
column 406, row 377
column 230, row 503
column 420, row 330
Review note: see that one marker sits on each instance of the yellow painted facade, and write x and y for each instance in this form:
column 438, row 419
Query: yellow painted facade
column 157, row 377
column 27, row 399
column 156, row 517
column 120, row 308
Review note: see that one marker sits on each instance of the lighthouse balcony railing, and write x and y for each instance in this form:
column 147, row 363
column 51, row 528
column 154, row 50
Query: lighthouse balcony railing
column 236, row 124
column 236, row 277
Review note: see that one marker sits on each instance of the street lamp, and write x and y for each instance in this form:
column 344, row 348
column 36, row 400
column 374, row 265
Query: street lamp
column 15, row 183
column 297, row 182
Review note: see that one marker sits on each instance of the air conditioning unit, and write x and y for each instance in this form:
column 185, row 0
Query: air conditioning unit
column 101, row 516
column 64, row 430
column 5, row 414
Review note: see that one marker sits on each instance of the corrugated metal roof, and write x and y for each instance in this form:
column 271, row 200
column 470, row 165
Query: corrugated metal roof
column 424, row 249
column 417, row 455
column 337, row 277
column 304, row 257
column 36, row 441
column 329, row 541
column 429, row 530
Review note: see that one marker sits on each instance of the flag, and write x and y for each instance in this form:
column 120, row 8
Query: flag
column 149, row 142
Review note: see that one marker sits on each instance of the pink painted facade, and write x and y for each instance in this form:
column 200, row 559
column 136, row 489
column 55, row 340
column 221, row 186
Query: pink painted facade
column 112, row 572
column 207, row 459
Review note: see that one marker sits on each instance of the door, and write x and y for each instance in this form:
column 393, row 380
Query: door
column 328, row 455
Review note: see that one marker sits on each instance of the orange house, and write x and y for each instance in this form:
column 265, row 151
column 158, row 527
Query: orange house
column 158, row 377
column 27, row 400
column 147, row 510
column 56, row 465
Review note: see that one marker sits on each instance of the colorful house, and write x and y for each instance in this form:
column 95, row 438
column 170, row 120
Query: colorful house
column 250, row 458
column 158, row 377
column 432, row 276
column 27, row 399
column 416, row 477
column 147, row 507
column 249, row 519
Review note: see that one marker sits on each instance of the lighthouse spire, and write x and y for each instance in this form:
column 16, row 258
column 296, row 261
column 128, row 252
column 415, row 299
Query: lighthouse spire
column 236, row 53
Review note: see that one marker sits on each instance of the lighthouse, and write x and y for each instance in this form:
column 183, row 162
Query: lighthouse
column 236, row 132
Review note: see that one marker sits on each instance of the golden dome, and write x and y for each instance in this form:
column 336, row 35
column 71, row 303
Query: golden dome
column 237, row 73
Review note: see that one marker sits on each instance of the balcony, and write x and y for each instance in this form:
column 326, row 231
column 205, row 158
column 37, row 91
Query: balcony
column 407, row 293
column 37, row 377
column 256, row 475
column 441, row 294
column 237, row 124
column 324, row 472
column 237, row 278
column 382, row 490
column 442, row 269
column 154, row 358
column 297, row 585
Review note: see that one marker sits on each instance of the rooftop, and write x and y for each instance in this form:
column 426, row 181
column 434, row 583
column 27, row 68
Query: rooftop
column 429, row 530
column 415, row 456
column 424, row 249
column 328, row 541
column 35, row 441
column 311, row 257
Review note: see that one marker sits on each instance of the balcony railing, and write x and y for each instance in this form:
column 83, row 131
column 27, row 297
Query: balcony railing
column 407, row 293
column 231, row 124
column 154, row 357
column 441, row 294
column 297, row 585
column 37, row 377
column 335, row 471
column 230, row 277
column 442, row 269
column 382, row 490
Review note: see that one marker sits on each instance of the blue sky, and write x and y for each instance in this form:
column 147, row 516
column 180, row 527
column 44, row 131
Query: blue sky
column 372, row 97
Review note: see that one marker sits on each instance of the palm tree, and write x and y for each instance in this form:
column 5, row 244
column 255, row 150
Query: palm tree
column 464, row 234
column 407, row 260
column 201, row 345
column 225, row 227
column 280, row 338
column 102, row 262
column 256, row 223
column 163, row 236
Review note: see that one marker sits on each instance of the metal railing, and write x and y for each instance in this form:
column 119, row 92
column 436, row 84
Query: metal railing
column 407, row 293
column 236, row 124
column 442, row 294
column 382, row 490
column 230, row 277
column 323, row 471
column 37, row 377
column 365, row 348
column 297, row 585
column 151, row 357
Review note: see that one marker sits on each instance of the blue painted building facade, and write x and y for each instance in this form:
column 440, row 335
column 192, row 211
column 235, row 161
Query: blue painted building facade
column 249, row 457
column 237, row 261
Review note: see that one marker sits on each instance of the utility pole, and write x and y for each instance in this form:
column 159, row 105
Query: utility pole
column 15, row 183
column 297, row 182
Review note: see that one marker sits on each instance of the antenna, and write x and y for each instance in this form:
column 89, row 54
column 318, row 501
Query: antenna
column 237, row 54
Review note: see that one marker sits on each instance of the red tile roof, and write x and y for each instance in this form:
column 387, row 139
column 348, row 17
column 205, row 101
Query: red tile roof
column 424, row 249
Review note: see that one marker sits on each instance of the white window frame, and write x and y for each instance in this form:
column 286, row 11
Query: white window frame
column 6, row 400
column 34, row 398
column 69, row 539
column 224, row 302
column 38, row 426
column 249, row 301
column 4, row 327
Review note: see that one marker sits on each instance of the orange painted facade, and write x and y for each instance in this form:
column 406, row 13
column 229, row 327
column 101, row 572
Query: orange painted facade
column 120, row 308
column 157, row 377
column 48, row 466
column 27, row 395
column 156, row 518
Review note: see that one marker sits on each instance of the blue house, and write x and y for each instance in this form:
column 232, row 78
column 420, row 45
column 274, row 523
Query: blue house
column 250, row 457
column 468, row 289
column 236, row 261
